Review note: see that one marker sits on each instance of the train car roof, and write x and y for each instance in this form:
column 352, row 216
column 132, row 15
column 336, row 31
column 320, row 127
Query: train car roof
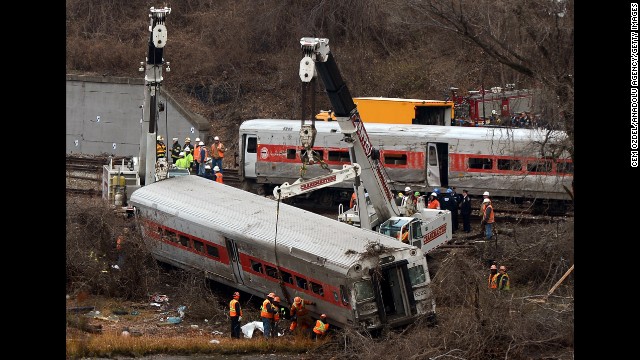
column 240, row 213
column 401, row 100
column 410, row 130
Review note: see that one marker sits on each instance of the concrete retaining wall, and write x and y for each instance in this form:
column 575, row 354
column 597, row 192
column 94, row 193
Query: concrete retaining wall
column 104, row 116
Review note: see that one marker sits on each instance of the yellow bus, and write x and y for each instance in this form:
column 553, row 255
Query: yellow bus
column 400, row 111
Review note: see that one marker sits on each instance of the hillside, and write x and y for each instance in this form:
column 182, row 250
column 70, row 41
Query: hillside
column 237, row 60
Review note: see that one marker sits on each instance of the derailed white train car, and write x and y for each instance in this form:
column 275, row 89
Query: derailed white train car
column 358, row 277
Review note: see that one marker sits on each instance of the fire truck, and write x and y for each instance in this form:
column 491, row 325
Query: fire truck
column 497, row 103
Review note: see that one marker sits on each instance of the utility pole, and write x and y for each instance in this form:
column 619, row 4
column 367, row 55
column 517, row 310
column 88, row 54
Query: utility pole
column 153, row 81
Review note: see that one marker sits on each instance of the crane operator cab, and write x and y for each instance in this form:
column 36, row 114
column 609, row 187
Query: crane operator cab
column 405, row 229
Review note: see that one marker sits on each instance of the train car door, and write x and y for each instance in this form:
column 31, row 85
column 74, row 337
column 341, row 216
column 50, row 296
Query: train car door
column 234, row 260
column 249, row 155
column 433, row 167
column 396, row 300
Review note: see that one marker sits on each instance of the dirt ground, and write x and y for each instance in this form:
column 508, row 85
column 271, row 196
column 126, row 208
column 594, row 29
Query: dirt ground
column 117, row 316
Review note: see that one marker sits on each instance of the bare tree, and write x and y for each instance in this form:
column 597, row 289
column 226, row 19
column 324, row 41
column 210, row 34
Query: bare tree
column 533, row 38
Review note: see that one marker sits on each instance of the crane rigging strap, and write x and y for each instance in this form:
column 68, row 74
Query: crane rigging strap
column 285, row 292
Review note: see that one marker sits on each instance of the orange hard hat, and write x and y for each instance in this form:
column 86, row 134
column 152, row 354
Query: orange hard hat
column 297, row 300
column 493, row 267
column 276, row 299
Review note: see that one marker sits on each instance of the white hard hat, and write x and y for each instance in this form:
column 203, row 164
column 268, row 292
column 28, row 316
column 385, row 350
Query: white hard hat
column 207, row 166
column 216, row 168
column 175, row 139
column 216, row 138
column 159, row 138
column 486, row 201
column 434, row 194
column 407, row 189
column 181, row 153
column 200, row 143
column 197, row 139
column 486, row 193
column 187, row 139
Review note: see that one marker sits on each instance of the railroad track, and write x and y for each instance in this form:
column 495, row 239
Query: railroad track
column 84, row 192
column 89, row 171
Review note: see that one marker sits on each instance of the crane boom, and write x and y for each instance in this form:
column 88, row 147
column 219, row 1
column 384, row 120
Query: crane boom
column 302, row 186
column 318, row 59
column 421, row 227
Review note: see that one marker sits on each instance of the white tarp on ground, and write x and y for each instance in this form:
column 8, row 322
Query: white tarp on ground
column 249, row 328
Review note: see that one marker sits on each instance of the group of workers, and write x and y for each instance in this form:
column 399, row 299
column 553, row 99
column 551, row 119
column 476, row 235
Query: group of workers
column 455, row 203
column 498, row 278
column 271, row 314
column 200, row 159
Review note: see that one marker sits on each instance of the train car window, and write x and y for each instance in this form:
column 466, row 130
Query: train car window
column 433, row 156
column 256, row 266
column 345, row 295
column 509, row 164
column 364, row 290
column 252, row 145
column 212, row 251
column 320, row 153
column 341, row 156
column 286, row 277
column 417, row 275
column 564, row 167
column 301, row 283
column 184, row 241
column 416, row 230
column 539, row 166
column 198, row 245
column 291, row 153
column 271, row 271
column 395, row 159
column 171, row 236
column 317, row 288
column 480, row 163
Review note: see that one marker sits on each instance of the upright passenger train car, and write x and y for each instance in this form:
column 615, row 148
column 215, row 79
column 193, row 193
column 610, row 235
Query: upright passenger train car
column 358, row 277
column 508, row 162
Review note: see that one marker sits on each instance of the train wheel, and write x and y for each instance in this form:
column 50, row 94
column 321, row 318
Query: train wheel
column 259, row 189
column 326, row 199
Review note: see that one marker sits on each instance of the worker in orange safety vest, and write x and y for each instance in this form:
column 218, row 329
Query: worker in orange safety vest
column 218, row 175
column 267, row 311
column 493, row 275
column 300, row 314
column 320, row 330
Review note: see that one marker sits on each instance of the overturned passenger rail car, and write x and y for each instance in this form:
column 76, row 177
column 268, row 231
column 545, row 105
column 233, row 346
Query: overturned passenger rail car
column 358, row 277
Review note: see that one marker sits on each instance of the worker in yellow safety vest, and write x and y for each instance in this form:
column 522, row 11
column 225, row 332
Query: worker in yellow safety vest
column 320, row 330
column 235, row 313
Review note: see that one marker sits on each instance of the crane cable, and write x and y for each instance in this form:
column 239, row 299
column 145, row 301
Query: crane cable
column 275, row 252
